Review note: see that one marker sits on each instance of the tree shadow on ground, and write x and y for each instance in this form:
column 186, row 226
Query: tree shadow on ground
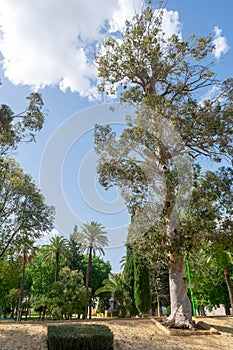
column 222, row 329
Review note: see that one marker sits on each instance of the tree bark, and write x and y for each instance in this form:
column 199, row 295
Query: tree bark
column 229, row 287
column 181, row 311
column 227, row 309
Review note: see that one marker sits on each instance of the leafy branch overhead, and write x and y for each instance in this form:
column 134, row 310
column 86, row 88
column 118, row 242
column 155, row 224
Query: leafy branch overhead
column 22, row 206
column 166, row 74
column 16, row 128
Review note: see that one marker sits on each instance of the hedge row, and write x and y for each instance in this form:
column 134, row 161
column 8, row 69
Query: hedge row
column 80, row 337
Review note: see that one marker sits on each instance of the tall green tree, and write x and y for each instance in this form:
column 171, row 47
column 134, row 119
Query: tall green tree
column 128, row 274
column 27, row 251
column 100, row 270
column 10, row 271
column 41, row 276
column 207, row 271
column 220, row 186
column 74, row 252
column 16, row 128
column 67, row 296
column 93, row 239
column 142, row 292
column 55, row 250
column 159, row 283
column 222, row 260
column 211, row 214
column 22, row 206
column 162, row 76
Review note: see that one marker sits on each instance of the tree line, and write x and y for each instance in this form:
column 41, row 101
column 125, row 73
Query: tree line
column 50, row 279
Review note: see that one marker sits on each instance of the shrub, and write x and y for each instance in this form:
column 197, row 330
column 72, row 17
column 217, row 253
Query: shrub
column 80, row 337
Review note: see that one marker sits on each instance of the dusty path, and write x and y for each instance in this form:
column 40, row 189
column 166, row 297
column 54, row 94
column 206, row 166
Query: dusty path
column 23, row 336
column 139, row 334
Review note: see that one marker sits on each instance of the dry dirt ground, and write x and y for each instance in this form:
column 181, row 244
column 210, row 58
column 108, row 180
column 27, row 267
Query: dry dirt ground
column 130, row 334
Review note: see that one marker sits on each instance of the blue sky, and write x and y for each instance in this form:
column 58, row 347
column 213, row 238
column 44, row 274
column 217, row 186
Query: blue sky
column 48, row 45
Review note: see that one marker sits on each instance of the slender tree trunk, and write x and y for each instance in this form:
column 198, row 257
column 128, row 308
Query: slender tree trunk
column 181, row 311
column 158, row 302
column 155, row 303
column 229, row 287
column 44, row 312
column 87, row 295
column 227, row 309
column 21, row 293
column 87, row 282
column 203, row 311
column 90, row 288
column 4, row 310
column 57, row 266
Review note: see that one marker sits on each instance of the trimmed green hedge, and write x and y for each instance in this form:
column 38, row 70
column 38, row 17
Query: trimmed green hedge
column 80, row 337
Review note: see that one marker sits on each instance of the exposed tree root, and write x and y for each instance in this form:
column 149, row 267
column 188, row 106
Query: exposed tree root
column 182, row 324
column 181, row 318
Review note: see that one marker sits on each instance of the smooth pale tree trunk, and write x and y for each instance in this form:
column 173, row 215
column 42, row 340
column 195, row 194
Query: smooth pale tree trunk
column 181, row 311
column 157, row 298
column 229, row 287
column 158, row 306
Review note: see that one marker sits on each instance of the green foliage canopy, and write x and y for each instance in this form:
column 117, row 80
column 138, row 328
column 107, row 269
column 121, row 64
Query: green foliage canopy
column 22, row 206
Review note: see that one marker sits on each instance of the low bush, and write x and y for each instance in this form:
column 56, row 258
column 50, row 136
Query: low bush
column 80, row 337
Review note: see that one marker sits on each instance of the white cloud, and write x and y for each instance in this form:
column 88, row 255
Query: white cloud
column 211, row 93
column 171, row 24
column 127, row 7
column 47, row 236
column 220, row 42
column 51, row 42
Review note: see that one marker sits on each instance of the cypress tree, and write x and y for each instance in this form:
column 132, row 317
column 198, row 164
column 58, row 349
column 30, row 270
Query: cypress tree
column 129, row 281
column 142, row 292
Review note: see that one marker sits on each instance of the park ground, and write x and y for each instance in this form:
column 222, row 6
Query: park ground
column 131, row 334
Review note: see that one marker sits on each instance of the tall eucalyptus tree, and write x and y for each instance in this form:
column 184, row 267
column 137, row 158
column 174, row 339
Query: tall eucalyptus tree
column 162, row 77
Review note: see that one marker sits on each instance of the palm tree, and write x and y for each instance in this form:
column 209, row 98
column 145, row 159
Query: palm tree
column 57, row 248
column 92, row 238
column 116, row 286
